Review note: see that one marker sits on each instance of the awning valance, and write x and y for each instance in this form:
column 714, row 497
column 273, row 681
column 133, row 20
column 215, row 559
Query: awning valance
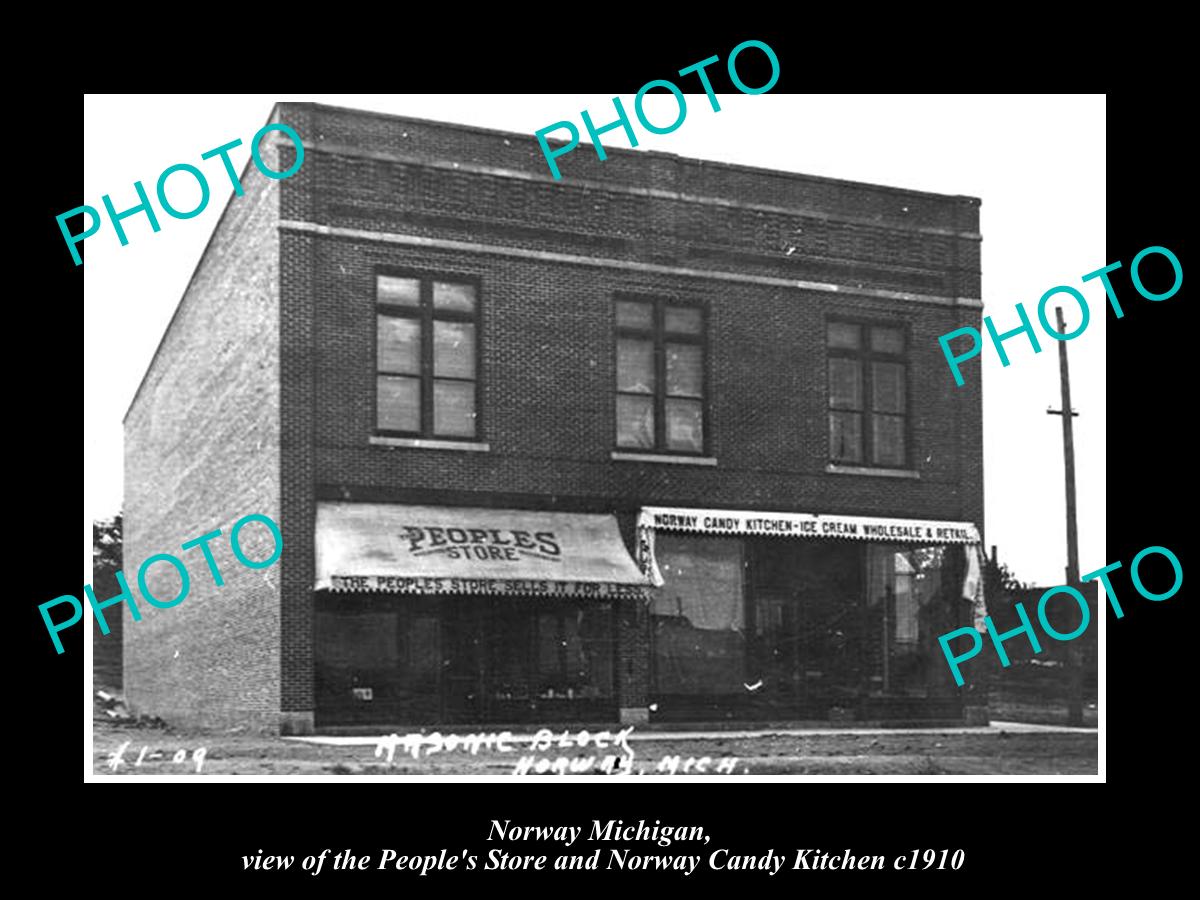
column 808, row 525
column 451, row 550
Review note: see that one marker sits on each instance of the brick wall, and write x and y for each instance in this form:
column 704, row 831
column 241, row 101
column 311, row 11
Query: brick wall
column 297, row 261
column 548, row 362
column 202, row 450
column 548, row 355
column 435, row 180
column 376, row 133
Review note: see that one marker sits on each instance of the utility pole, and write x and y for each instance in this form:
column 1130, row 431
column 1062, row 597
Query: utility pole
column 1074, row 660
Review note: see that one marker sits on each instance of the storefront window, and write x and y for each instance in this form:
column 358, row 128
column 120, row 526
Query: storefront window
column 508, row 634
column 574, row 653
column 906, row 598
column 462, row 659
column 376, row 660
column 698, row 616
column 810, row 636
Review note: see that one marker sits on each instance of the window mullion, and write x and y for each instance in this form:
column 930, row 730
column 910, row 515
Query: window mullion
column 704, row 423
column 427, row 428
column 868, row 425
column 660, row 376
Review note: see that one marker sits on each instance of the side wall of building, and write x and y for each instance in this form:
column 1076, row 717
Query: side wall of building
column 202, row 450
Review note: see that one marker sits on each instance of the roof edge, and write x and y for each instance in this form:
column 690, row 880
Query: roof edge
column 626, row 151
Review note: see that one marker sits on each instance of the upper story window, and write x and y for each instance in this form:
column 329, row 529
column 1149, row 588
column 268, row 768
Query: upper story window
column 868, row 397
column 426, row 359
column 660, row 376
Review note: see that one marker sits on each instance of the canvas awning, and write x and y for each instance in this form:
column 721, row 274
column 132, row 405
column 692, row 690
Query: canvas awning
column 815, row 525
column 405, row 549
column 808, row 525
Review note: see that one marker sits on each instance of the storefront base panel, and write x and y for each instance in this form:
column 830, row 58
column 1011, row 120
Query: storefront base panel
column 542, row 716
column 296, row 723
column 977, row 715
column 889, row 710
column 914, row 709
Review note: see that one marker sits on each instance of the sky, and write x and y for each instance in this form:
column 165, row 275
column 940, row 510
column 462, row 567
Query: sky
column 1037, row 163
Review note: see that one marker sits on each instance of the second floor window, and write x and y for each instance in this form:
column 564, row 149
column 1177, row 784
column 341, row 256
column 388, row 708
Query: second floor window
column 660, row 398
column 426, row 357
column 868, row 403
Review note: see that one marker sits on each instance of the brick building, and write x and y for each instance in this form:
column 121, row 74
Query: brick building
column 667, row 439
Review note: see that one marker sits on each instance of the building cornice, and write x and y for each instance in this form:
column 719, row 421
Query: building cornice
column 655, row 193
column 411, row 240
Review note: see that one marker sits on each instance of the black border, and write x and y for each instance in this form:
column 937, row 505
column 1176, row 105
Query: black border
column 1016, row 837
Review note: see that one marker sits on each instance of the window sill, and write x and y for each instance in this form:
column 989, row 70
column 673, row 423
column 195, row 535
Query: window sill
column 620, row 456
column 427, row 444
column 835, row 469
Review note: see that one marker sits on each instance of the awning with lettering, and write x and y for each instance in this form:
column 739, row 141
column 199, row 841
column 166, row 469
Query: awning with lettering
column 808, row 525
column 812, row 525
column 404, row 549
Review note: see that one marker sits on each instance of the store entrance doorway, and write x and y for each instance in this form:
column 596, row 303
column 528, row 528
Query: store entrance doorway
column 808, row 639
